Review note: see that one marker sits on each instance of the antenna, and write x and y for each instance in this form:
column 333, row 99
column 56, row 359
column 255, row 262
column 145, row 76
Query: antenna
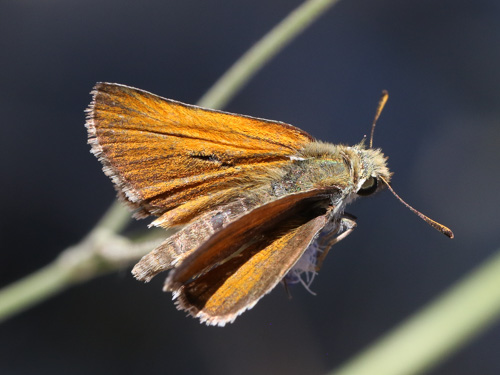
column 440, row 227
column 380, row 107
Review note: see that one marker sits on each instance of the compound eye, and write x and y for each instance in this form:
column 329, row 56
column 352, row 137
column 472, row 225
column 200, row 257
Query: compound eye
column 368, row 187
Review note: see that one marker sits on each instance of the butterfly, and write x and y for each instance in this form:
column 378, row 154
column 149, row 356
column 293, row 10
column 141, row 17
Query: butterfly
column 255, row 201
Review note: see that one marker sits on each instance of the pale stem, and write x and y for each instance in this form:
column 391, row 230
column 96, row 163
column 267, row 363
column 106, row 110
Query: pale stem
column 438, row 330
column 264, row 50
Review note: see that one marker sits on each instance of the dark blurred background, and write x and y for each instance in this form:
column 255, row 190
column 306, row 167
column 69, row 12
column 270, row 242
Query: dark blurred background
column 440, row 62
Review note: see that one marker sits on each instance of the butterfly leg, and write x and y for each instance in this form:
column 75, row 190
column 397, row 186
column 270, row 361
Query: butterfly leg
column 346, row 225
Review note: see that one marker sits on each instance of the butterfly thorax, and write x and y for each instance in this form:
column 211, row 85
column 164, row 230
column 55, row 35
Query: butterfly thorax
column 325, row 165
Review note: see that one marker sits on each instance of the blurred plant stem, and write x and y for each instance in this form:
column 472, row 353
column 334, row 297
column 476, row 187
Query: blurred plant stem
column 103, row 250
column 441, row 328
column 263, row 51
column 100, row 252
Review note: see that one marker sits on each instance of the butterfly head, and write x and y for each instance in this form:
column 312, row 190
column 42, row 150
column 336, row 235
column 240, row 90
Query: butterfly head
column 371, row 173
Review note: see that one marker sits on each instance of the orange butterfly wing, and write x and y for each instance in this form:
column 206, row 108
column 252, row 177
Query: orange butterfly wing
column 241, row 263
column 164, row 155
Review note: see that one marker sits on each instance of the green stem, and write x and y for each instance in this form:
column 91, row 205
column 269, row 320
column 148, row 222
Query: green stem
column 263, row 51
column 100, row 252
column 438, row 330
column 33, row 289
column 68, row 268
column 88, row 263
column 115, row 219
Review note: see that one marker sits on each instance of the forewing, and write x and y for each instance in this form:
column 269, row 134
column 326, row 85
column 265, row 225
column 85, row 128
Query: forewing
column 238, row 265
column 161, row 153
